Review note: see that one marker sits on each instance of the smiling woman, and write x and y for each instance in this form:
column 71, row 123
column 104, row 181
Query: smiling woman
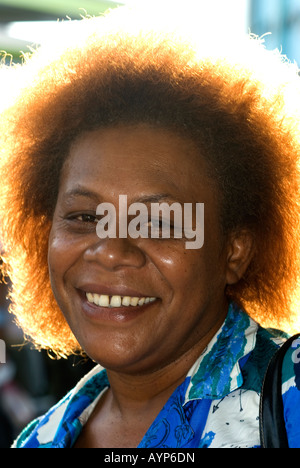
column 136, row 268
column 154, row 114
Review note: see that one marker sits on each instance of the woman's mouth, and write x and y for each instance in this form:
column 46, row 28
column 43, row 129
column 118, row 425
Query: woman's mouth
column 104, row 300
column 112, row 307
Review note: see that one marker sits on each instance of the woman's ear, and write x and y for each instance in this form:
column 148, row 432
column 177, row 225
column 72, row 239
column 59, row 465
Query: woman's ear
column 240, row 253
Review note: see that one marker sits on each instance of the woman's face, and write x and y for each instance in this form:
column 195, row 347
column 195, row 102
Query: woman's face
column 147, row 165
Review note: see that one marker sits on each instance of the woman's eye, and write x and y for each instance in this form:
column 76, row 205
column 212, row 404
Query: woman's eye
column 86, row 218
column 158, row 225
column 154, row 223
column 82, row 218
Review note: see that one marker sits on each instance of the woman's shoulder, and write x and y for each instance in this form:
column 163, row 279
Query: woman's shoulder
column 291, row 392
column 280, row 400
column 65, row 418
column 254, row 365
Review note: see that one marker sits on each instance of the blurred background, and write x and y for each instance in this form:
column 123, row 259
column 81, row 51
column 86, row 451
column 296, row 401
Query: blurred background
column 27, row 22
column 31, row 382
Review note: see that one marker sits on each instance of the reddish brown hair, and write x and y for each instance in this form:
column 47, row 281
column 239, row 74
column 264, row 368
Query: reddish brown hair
column 239, row 105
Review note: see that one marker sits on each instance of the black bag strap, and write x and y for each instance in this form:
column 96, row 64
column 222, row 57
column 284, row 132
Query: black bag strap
column 272, row 425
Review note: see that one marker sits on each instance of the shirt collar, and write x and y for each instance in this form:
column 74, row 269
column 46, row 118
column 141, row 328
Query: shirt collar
column 217, row 372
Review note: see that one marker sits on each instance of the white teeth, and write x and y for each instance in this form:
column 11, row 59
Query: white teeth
column 90, row 297
column 126, row 301
column 134, row 301
column 115, row 301
column 103, row 300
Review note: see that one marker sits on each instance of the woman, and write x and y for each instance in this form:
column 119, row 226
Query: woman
column 148, row 114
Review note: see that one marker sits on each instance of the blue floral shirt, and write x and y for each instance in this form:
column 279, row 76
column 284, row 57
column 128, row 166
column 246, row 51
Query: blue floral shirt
column 217, row 405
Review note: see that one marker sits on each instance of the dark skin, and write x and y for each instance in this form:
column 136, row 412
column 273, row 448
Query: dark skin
column 147, row 351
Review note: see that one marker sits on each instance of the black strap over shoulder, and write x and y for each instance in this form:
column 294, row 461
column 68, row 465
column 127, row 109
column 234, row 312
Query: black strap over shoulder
column 272, row 424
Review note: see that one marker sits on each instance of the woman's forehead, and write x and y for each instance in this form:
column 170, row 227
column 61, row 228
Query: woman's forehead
column 140, row 159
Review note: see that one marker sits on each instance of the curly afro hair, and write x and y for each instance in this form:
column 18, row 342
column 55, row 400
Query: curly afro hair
column 237, row 101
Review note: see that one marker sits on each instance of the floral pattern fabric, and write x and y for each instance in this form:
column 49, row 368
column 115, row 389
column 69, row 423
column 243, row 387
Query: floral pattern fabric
column 216, row 406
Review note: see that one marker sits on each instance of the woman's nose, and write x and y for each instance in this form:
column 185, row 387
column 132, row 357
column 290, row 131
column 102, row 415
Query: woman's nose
column 115, row 253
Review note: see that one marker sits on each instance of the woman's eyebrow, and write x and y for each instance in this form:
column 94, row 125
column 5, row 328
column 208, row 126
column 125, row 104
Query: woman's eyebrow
column 158, row 197
column 151, row 198
column 81, row 192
